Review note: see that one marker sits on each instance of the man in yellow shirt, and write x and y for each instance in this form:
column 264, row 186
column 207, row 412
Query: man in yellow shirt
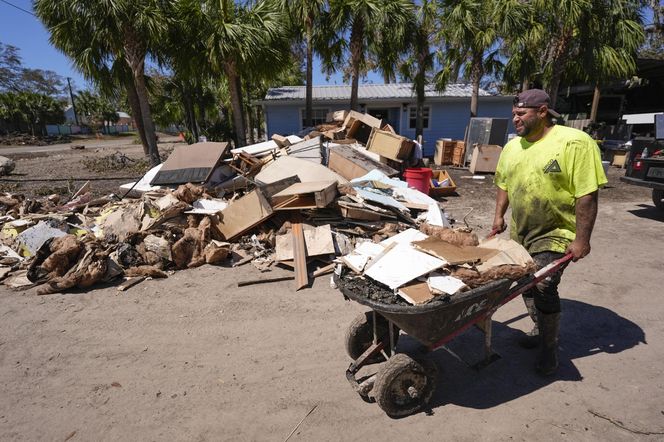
column 550, row 176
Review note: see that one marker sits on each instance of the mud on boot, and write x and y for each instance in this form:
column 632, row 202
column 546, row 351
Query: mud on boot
column 530, row 339
column 549, row 325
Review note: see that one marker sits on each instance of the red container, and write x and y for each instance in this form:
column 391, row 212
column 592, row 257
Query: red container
column 419, row 178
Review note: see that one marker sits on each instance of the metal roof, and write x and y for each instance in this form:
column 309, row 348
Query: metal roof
column 369, row 92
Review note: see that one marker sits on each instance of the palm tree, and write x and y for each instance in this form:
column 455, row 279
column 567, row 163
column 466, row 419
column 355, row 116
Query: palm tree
column 305, row 16
column 422, row 31
column 609, row 39
column 367, row 21
column 243, row 37
column 101, row 32
column 471, row 37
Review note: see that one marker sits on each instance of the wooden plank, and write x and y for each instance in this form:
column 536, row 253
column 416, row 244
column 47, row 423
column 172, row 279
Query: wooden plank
column 318, row 241
column 453, row 254
column 130, row 283
column 264, row 280
column 243, row 214
column 300, row 257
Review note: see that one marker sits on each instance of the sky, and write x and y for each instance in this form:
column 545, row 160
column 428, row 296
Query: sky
column 26, row 32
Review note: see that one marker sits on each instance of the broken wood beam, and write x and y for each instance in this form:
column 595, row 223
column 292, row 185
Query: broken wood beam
column 299, row 257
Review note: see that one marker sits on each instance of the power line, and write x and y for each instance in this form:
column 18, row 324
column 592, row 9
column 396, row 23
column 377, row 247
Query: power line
column 18, row 7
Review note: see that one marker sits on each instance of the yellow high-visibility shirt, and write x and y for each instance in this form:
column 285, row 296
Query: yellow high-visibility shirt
column 543, row 180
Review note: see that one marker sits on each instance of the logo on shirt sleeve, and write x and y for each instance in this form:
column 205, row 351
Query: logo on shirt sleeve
column 552, row 167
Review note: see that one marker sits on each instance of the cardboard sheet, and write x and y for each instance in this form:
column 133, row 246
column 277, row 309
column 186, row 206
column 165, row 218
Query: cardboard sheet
column 453, row 254
column 190, row 164
column 509, row 253
column 416, row 292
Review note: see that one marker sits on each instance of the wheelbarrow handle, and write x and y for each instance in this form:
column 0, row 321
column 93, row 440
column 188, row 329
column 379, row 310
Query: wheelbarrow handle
column 539, row 275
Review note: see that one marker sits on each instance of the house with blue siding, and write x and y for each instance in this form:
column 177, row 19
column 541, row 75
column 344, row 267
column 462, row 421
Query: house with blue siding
column 446, row 113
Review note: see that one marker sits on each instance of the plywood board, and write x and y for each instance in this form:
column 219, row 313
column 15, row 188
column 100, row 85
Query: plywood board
column 190, row 164
column 452, row 253
column 401, row 265
column 243, row 214
column 349, row 163
column 389, row 145
column 317, row 239
column 306, row 171
column 305, row 195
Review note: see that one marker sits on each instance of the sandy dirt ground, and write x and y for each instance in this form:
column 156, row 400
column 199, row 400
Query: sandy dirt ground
column 194, row 357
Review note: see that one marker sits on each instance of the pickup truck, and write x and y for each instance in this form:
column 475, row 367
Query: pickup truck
column 649, row 171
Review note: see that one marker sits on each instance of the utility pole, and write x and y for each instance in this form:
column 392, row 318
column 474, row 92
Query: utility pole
column 73, row 105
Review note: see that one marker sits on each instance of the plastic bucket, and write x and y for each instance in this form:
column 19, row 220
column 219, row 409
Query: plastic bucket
column 419, row 178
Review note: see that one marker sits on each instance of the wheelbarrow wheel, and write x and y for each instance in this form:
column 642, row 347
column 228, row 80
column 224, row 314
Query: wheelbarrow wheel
column 359, row 336
column 404, row 385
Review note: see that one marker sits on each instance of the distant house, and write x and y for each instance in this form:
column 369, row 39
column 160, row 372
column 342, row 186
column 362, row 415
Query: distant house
column 123, row 117
column 446, row 114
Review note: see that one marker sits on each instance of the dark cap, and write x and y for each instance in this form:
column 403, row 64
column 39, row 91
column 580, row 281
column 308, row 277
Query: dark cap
column 534, row 98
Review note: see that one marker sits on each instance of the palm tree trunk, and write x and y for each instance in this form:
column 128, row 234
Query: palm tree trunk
column 356, row 52
column 559, row 62
column 475, row 77
column 235, row 89
column 250, row 116
column 595, row 105
column 308, row 101
column 135, row 106
column 419, row 91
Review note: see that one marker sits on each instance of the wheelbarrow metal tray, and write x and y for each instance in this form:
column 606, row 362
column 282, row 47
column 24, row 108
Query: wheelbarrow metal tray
column 431, row 322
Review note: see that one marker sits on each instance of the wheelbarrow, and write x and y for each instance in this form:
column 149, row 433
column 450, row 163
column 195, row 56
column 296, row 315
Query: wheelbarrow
column 405, row 383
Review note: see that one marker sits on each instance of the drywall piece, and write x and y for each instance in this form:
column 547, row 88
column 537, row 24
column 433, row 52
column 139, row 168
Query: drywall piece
column 306, row 171
column 30, row 240
column 317, row 194
column 264, row 148
column 243, row 214
column 405, row 238
column 452, row 253
column 350, row 163
column 413, row 198
column 436, row 217
column 401, row 265
column 509, row 252
column 208, row 206
column 317, row 239
column 445, row 284
column 416, row 293
column 366, row 194
column 136, row 189
column 190, row 164
column 364, row 251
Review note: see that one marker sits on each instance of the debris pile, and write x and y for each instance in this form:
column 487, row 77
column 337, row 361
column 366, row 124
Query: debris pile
column 332, row 198
column 21, row 139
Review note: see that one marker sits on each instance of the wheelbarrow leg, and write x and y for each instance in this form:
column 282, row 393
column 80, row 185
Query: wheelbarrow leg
column 490, row 356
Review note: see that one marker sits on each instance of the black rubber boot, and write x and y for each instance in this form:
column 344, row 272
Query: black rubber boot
column 530, row 339
column 549, row 327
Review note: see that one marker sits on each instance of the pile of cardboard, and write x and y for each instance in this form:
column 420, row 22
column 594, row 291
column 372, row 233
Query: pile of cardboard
column 291, row 202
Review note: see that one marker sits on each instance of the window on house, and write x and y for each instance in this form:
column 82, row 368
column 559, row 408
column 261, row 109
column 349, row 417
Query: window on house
column 317, row 116
column 412, row 117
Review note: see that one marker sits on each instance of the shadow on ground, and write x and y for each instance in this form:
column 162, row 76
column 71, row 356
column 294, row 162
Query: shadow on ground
column 648, row 212
column 585, row 331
